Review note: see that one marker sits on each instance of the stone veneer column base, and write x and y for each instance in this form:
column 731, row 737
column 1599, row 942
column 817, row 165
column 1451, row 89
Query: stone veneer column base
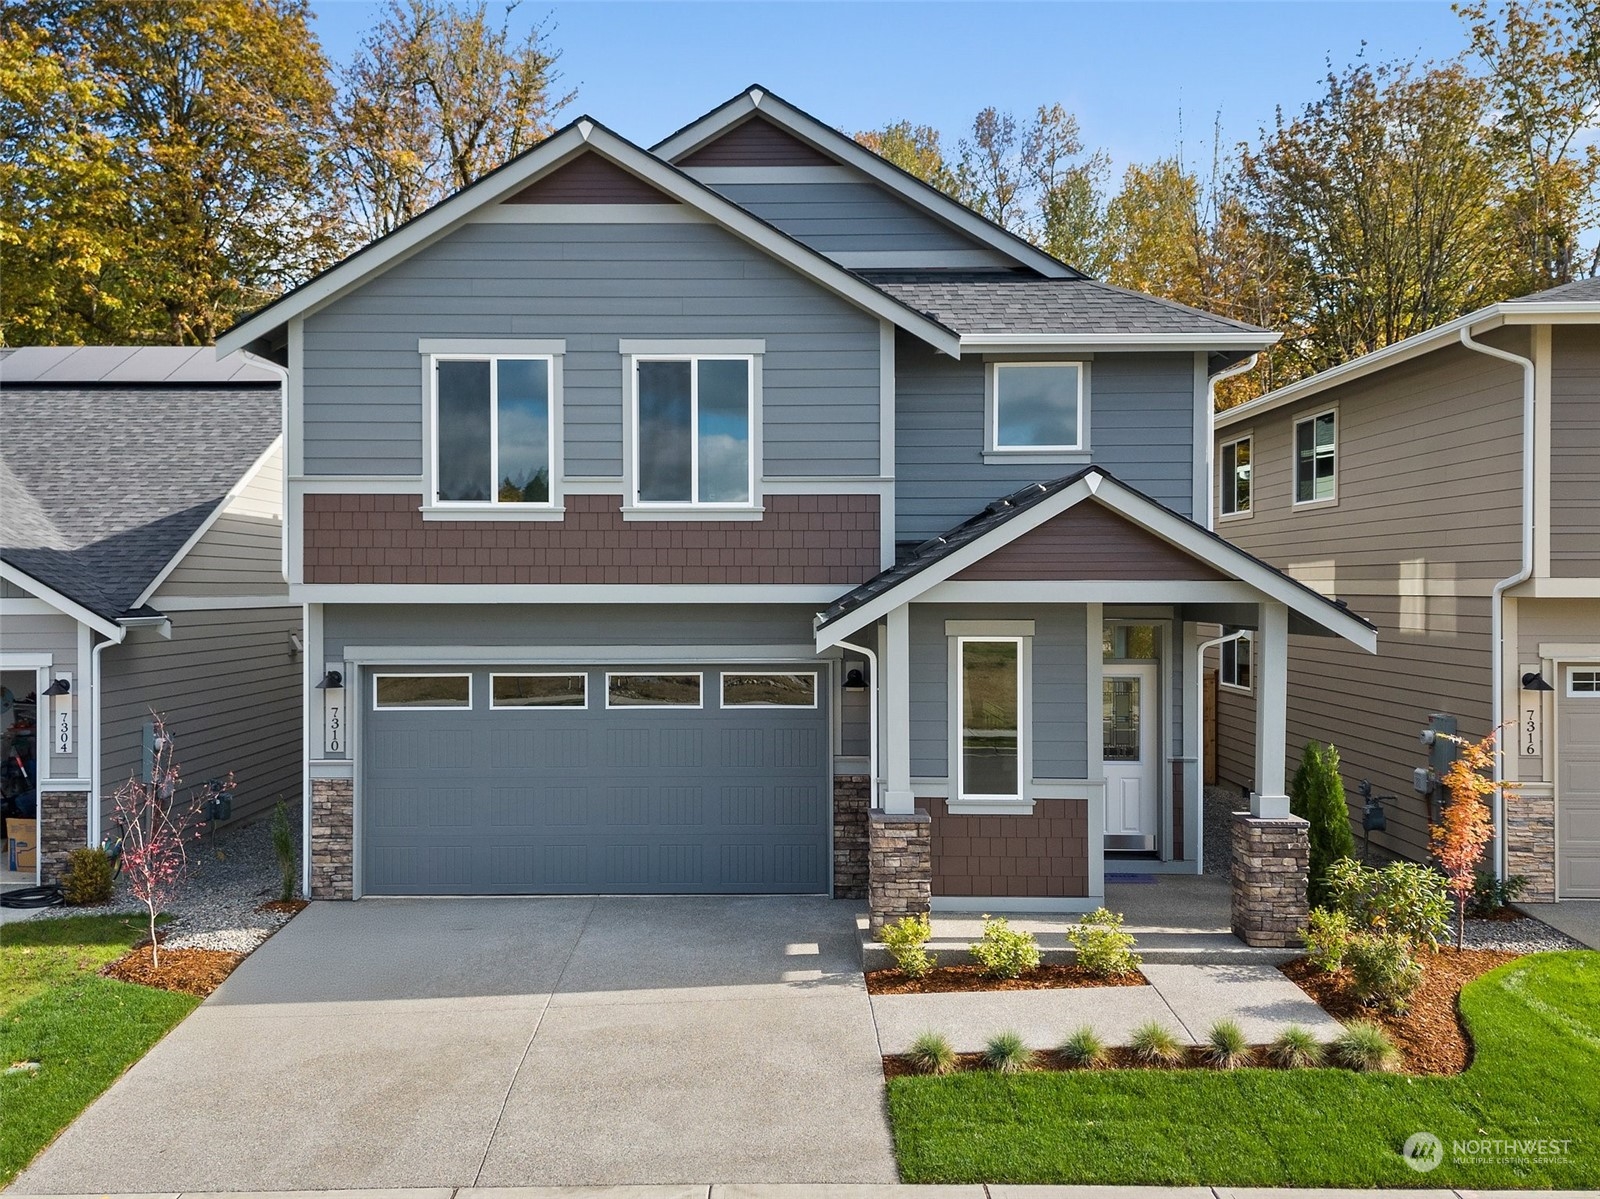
column 852, row 797
column 63, row 827
column 1531, row 843
column 1271, row 860
column 332, row 838
column 899, row 866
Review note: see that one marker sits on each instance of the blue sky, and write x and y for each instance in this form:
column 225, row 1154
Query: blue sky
column 1128, row 70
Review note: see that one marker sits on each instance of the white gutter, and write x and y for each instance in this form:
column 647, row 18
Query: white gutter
column 872, row 712
column 1200, row 723
column 96, row 708
column 1497, row 649
column 1248, row 364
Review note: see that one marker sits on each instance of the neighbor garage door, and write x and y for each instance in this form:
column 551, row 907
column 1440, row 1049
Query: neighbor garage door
column 652, row 780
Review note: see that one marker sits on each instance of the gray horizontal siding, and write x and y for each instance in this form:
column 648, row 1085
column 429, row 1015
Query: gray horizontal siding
column 56, row 635
column 590, row 285
column 242, row 553
column 1575, row 454
column 1141, row 429
column 855, row 217
column 1059, row 705
column 229, row 689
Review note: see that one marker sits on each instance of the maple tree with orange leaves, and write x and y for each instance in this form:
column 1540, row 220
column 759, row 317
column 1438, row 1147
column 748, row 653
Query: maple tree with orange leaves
column 1465, row 825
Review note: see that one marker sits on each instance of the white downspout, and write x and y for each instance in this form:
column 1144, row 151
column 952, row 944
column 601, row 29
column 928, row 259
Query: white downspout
column 872, row 712
column 1200, row 723
column 1211, row 430
column 96, row 708
column 1497, row 601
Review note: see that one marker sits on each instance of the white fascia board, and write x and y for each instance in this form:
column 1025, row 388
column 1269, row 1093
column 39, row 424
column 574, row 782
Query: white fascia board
column 977, row 343
column 205, row 526
column 60, row 603
column 927, row 198
column 566, row 593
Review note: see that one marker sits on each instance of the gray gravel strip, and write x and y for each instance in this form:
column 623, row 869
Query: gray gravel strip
column 1516, row 936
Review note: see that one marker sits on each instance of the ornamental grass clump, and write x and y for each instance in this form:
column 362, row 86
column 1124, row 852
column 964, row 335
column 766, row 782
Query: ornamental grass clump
column 1005, row 1053
column 931, row 1053
column 1225, row 1047
column 1103, row 949
column 1365, row 1047
column 1155, row 1044
column 906, row 940
column 1295, row 1048
column 1083, row 1048
column 283, row 850
column 1005, row 952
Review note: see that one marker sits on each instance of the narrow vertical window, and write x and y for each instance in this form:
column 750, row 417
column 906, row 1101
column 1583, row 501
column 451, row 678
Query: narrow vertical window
column 1315, row 458
column 1234, row 488
column 990, row 704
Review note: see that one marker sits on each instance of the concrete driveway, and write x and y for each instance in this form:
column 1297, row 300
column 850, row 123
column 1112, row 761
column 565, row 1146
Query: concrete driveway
column 506, row 1042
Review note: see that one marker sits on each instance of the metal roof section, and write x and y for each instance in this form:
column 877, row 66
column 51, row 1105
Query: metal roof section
column 128, row 364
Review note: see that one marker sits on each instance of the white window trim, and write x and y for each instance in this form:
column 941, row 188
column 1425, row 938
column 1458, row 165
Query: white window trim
column 959, row 802
column 1571, row 691
column 699, row 676
column 1294, row 461
column 722, row 693
column 1222, row 681
column 539, row 674
column 636, row 509
column 994, row 451
column 469, row 706
column 1225, row 486
column 433, row 508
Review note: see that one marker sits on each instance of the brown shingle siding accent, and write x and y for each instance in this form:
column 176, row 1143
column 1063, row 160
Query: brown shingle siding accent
column 589, row 179
column 383, row 539
column 1042, row 855
column 756, row 142
column 1088, row 541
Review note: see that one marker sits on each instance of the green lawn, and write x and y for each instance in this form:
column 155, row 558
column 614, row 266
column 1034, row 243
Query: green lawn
column 84, row 1031
column 1536, row 1025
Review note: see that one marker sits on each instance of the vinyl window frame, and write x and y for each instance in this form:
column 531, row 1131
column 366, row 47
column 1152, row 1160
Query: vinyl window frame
column 698, row 706
column 636, row 509
column 959, row 801
column 1592, row 677
column 469, row 706
column 539, row 674
column 433, row 508
column 995, row 451
column 1296, row 503
column 816, row 691
column 1231, row 649
column 1227, row 481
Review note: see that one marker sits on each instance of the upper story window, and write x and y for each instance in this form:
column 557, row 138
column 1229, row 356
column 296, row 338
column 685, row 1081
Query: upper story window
column 1316, row 458
column 1234, row 486
column 492, row 430
column 1037, row 407
column 693, row 431
column 1234, row 665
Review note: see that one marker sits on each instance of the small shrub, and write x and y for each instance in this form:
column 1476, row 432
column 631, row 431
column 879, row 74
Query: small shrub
column 1366, row 1047
column 931, row 1054
column 1005, row 1053
column 88, row 877
column 1491, row 894
column 1326, row 934
column 1225, row 1046
column 1403, row 898
column 1155, row 1045
column 1104, row 950
column 283, row 847
column 1083, row 1048
column 1295, row 1048
column 1003, row 952
column 1316, row 793
column 905, row 939
column 1382, row 971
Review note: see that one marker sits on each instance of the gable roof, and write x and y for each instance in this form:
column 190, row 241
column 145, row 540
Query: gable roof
column 584, row 135
column 102, row 484
column 755, row 99
column 1015, row 515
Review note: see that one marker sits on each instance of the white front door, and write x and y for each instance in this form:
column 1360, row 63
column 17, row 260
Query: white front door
column 1132, row 764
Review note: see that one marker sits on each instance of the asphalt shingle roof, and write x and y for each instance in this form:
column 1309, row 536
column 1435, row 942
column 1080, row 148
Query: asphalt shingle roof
column 1577, row 290
column 100, row 485
column 977, row 304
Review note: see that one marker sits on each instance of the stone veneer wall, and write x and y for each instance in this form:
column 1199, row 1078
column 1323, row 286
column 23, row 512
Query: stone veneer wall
column 1271, row 861
column 63, row 827
column 1531, row 843
column 852, row 799
column 332, row 839
column 1042, row 855
column 900, row 867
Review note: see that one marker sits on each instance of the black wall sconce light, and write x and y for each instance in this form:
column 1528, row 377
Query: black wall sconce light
column 332, row 681
column 1534, row 681
column 855, row 679
column 59, row 687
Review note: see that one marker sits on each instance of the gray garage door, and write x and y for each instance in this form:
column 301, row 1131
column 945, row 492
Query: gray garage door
column 1578, row 785
column 584, row 781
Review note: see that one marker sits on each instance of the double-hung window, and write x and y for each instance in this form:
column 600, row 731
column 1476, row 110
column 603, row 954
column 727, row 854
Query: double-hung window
column 1037, row 407
column 693, row 423
column 1234, row 487
column 1316, row 458
column 1235, row 663
column 493, row 429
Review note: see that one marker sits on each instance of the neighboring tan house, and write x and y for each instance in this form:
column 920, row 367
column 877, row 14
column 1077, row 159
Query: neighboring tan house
column 577, row 458
column 1447, row 486
column 141, row 529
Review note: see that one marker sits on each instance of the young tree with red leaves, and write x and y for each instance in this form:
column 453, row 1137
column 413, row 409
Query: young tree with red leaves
column 1465, row 826
column 156, row 829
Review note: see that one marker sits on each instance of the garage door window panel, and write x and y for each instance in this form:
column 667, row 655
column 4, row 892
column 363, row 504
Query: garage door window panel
column 525, row 691
column 653, row 690
column 741, row 690
column 1583, row 684
column 422, row 692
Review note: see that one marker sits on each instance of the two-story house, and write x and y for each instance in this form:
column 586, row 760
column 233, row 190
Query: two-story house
column 659, row 512
column 1448, row 486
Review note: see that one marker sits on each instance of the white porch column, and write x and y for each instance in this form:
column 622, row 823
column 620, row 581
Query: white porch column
column 1271, row 668
column 896, row 750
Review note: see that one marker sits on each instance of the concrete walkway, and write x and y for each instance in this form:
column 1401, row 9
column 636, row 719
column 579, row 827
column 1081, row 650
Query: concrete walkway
column 846, row 1191
column 1578, row 918
column 1188, row 1000
column 499, row 1042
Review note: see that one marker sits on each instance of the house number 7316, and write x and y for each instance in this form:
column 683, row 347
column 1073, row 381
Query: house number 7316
column 1532, row 732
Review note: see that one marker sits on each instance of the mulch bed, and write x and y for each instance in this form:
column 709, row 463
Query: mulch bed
column 970, row 978
column 291, row 906
column 1430, row 1036
column 192, row 971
